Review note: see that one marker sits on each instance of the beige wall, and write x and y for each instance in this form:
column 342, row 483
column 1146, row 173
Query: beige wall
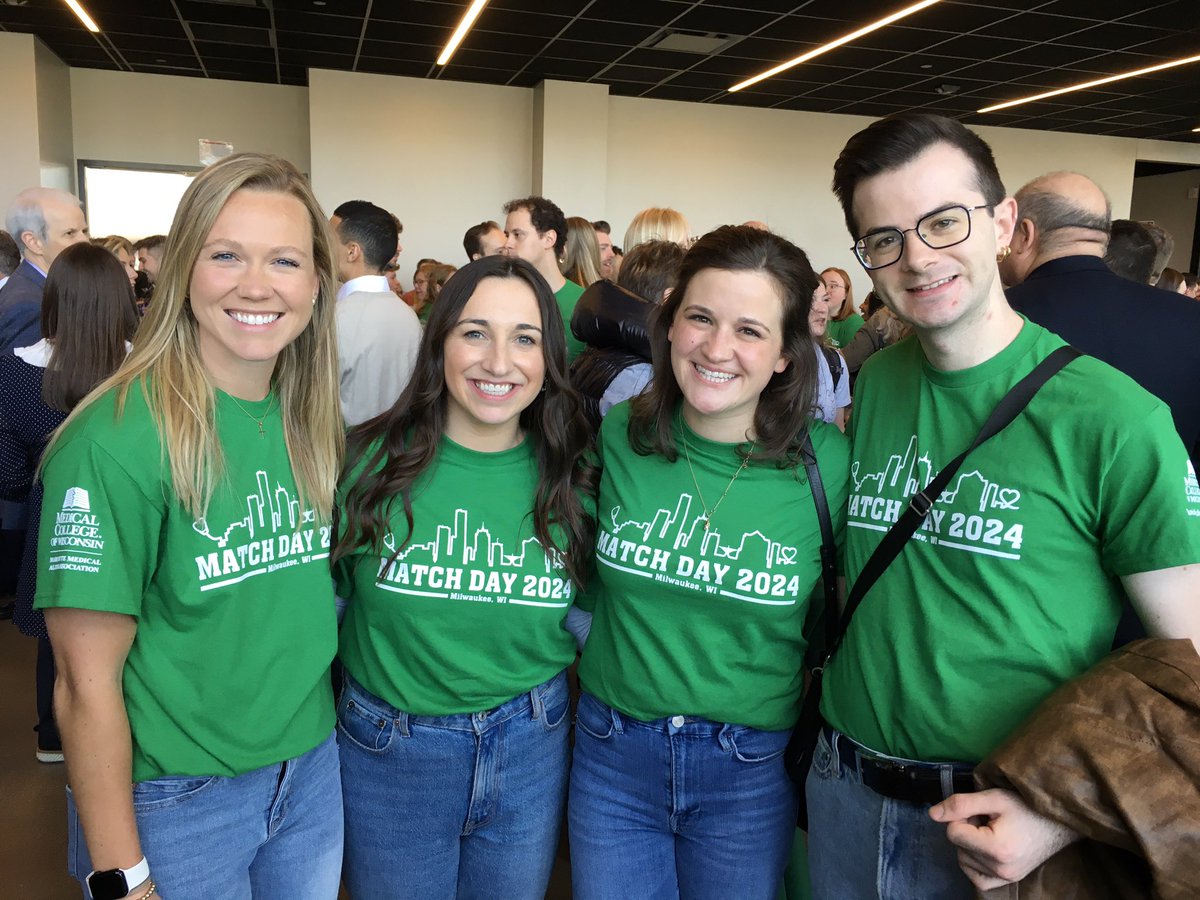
column 55, row 145
column 160, row 119
column 21, row 154
column 1164, row 199
column 441, row 155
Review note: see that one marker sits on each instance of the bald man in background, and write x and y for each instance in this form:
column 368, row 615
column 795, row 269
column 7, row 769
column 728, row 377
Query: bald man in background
column 1057, row 278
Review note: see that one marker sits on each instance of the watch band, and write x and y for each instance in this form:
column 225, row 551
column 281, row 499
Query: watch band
column 113, row 884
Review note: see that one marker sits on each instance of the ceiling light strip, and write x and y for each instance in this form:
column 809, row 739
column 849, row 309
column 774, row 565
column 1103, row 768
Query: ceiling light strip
column 83, row 16
column 1091, row 84
column 460, row 32
column 854, row 35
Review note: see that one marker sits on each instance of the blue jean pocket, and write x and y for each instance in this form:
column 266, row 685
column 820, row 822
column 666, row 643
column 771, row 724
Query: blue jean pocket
column 749, row 745
column 365, row 726
column 825, row 762
column 158, row 793
column 594, row 718
column 555, row 707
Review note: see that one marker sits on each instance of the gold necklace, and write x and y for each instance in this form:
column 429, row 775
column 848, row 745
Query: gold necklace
column 262, row 432
column 709, row 513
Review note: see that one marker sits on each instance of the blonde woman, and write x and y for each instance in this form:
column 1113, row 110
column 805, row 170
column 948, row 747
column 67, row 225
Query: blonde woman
column 183, row 564
column 581, row 258
column 658, row 224
column 844, row 320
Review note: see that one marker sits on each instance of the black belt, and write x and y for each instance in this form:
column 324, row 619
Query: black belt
column 919, row 783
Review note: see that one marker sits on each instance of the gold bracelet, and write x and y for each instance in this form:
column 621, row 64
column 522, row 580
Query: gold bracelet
column 149, row 893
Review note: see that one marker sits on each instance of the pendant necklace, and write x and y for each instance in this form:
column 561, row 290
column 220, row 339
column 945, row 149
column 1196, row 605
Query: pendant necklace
column 262, row 432
column 709, row 513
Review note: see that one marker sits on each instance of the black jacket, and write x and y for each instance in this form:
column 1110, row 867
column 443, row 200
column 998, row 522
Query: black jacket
column 615, row 324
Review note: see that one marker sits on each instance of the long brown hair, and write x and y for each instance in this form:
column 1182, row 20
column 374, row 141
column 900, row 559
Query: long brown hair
column 88, row 315
column 848, row 308
column 782, row 414
column 392, row 450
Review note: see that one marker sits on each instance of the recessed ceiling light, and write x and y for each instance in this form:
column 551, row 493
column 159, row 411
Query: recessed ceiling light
column 845, row 39
column 926, row 65
column 460, row 32
column 160, row 59
column 318, row 2
column 1091, row 84
column 83, row 16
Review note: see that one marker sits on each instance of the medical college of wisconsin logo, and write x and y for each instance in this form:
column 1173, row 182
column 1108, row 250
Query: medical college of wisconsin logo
column 77, row 543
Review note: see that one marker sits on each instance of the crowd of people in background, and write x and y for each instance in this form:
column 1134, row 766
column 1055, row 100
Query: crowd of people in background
column 235, row 451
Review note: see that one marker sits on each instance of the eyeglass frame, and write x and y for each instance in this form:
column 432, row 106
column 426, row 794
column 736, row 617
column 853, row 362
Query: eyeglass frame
column 903, row 231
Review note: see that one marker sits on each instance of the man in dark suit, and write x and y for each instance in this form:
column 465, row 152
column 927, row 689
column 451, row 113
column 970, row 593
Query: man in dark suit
column 1057, row 278
column 43, row 222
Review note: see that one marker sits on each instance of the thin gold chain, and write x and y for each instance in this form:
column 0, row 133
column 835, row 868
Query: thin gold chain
column 709, row 513
column 262, row 432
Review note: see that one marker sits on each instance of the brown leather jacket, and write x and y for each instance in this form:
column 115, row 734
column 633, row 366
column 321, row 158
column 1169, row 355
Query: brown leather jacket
column 1115, row 755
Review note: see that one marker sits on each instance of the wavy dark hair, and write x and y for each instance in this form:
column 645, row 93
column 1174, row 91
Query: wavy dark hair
column 408, row 434
column 782, row 415
column 88, row 314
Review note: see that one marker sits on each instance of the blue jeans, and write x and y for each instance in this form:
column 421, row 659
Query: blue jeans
column 864, row 845
column 677, row 807
column 272, row 833
column 468, row 805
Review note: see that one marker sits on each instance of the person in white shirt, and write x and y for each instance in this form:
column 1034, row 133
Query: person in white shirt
column 377, row 333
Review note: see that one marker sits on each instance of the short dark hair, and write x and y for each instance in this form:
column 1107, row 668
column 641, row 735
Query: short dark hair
column 650, row 268
column 899, row 139
column 88, row 311
column 545, row 216
column 1164, row 246
column 371, row 227
column 10, row 254
column 784, row 406
column 154, row 243
column 603, row 227
column 1131, row 250
column 473, row 239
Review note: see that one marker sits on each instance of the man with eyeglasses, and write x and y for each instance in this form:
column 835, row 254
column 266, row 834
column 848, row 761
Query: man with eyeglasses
column 1013, row 583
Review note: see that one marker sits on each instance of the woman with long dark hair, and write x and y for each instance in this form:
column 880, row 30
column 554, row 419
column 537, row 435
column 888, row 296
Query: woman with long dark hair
column 183, row 564
column 464, row 534
column 88, row 317
column 707, row 549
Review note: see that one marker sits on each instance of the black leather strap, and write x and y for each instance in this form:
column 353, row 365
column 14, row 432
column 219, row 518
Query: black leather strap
column 828, row 543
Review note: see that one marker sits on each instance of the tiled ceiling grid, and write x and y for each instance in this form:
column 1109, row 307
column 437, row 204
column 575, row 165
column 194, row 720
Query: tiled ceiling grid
column 953, row 57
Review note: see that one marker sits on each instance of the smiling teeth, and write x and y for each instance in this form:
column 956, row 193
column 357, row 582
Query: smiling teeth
column 930, row 287
column 713, row 376
column 495, row 390
column 263, row 319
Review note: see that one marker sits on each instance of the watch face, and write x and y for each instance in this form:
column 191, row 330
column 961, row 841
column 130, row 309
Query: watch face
column 108, row 885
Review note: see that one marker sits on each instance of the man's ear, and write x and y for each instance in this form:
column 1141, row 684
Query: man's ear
column 354, row 251
column 1024, row 236
column 32, row 243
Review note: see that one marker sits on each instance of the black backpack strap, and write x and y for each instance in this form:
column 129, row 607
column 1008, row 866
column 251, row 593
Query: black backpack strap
column 828, row 544
column 922, row 501
column 834, row 359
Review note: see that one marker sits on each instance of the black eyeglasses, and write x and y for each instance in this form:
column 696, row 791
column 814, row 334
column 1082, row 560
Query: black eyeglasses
column 938, row 230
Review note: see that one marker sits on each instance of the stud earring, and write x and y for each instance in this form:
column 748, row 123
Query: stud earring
column 1003, row 254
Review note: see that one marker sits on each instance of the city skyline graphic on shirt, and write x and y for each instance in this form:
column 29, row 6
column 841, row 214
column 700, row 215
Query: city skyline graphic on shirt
column 458, row 544
column 686, row 533
column 265, row 511
column 917, row 471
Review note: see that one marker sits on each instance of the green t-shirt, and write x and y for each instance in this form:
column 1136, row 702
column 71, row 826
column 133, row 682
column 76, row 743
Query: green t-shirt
column 567, row 296
column 229, row 670
column 704, row 623
column 1011, row 586
column 841, row 333
column 469, row 614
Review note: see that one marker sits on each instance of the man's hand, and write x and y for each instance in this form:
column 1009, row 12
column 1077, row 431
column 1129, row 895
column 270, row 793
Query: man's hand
column 999, row 839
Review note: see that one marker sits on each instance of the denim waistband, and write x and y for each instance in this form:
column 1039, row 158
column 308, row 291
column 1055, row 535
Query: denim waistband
column 677, row 724
column 531, row 703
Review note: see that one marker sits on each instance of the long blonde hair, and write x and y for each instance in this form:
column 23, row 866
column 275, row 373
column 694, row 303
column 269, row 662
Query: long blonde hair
column 165, row 360
column 581, row 257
